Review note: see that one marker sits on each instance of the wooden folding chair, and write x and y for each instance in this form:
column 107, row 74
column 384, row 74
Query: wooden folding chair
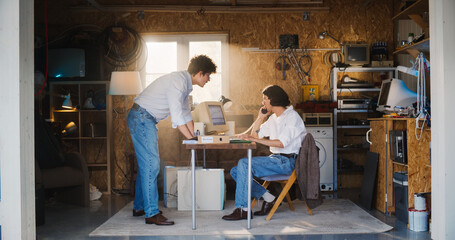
column 286, row 183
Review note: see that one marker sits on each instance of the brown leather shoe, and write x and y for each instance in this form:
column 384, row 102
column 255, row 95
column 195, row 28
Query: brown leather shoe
column 265, row 209
column 158, row 219
column 237, row 214
column 138, row 213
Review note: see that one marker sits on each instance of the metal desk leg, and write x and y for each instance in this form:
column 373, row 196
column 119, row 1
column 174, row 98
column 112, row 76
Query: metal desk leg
column 193, row 184
column 204, row 156
column 249, row 188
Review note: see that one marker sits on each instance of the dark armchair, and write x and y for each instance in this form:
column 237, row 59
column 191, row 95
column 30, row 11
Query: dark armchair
column 55, row 169
column 70, row 179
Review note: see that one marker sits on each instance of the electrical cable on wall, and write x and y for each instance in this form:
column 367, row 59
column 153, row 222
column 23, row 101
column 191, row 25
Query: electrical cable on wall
column 331, row 58
column 125, row 174
column 123, row 46
column 291, row 53
column 86, row 32
column 305, row 62
column 282, row 64
column 421, row 128
column 421, row 65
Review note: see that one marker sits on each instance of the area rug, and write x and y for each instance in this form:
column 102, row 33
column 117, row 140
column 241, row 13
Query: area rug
column 334, row 216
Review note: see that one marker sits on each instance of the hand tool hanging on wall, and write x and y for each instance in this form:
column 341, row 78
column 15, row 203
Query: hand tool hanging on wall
column 282, row 64
column 306, row 63
column 295, row 64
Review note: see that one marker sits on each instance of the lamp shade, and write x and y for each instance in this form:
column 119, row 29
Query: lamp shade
column 227, row 103
column 125, row 83
column 67, row 102
column 322, row 35
column 70, row 128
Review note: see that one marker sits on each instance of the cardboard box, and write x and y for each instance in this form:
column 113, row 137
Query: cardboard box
column 213, row 139
column 171, row 185
column 388, row 63
column 210, row 189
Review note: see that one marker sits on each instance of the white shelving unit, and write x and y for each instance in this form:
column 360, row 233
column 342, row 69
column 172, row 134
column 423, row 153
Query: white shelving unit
column 335, row 92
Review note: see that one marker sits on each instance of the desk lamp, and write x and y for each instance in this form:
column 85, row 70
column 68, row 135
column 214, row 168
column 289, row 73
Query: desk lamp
column 227, row 103
column 125, row 83
column 67, row 102
column 69, row 129
column 322, row 36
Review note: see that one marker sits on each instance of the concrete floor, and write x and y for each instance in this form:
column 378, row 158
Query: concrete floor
column 72, row 222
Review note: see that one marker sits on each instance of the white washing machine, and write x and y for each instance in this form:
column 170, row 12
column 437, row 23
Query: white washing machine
column 323, row 137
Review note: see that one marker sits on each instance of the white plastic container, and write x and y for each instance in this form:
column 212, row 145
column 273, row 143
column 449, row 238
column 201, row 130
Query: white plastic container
column 419, row 202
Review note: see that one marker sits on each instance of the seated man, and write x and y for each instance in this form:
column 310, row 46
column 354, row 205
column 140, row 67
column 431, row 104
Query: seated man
column 286, row 132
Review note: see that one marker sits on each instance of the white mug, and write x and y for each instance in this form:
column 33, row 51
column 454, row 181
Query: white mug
column 231, row 131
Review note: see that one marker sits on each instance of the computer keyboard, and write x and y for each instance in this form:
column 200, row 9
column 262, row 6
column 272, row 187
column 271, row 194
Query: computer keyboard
column 238, row 140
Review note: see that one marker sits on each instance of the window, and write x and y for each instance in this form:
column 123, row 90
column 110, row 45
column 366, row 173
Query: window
column 169, row 53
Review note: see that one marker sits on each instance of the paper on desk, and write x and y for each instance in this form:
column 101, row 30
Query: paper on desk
column 189, row 141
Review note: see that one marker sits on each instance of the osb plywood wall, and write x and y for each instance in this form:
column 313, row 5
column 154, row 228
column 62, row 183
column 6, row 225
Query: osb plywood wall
column 419, row 165
column 348, row 21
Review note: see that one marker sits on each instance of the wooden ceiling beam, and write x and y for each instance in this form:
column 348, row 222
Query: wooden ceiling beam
column 280, row 2
column 201, row 9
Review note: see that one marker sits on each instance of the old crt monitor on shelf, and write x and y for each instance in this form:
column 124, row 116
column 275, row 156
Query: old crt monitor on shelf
column 66, row 62
column 212, row 114
column 356, row 54
column 394, row 96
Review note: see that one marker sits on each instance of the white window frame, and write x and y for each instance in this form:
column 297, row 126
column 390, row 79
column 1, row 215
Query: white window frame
column 183, row 40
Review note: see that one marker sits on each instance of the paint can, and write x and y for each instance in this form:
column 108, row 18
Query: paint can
column 419, row 202
column 418, row 220
column 411, row 219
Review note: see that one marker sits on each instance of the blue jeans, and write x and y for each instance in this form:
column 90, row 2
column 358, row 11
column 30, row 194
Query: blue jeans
column 260, row 167
column 144, row 134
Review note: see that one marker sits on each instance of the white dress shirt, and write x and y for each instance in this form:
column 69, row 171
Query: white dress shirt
column 288, row 128
column 168, row 95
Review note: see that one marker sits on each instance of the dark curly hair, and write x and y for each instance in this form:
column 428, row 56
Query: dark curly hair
column 201, row 63
column 277, row 96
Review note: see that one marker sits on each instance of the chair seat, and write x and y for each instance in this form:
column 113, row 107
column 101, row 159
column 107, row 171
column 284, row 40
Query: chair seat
column 62, row 177
column 278, row 177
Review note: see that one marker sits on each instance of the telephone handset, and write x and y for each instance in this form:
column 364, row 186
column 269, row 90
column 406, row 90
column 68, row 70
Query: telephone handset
column 264, row 111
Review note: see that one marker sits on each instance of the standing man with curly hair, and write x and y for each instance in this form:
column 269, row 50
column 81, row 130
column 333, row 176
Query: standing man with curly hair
column 167, row 95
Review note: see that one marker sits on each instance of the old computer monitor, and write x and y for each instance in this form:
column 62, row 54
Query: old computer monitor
column 66, row 62
column 395, row 95
column 213, row 115
column 356, row 54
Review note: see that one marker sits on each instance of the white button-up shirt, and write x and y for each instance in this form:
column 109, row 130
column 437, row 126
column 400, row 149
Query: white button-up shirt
column 288, row 128
column 168, row 95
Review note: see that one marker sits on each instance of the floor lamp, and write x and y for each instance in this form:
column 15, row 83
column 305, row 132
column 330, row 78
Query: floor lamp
column 125, row 83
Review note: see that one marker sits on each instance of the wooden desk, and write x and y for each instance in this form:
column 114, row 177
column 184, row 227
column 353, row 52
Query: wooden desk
column 193, row 147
